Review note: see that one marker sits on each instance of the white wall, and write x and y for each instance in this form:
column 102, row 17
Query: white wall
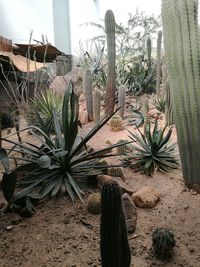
column 19, row 17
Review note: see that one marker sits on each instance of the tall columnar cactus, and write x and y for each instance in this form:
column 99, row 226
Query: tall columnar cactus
column 149, row 49
column 168, row 105
column 96, row 105
column 182, row 50
column 87, row 89
column 121, row 99
column 158, row 70
column 111, row 54
column 115, row 251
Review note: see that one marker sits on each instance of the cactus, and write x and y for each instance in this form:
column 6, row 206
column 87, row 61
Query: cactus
column 108, row 142
column 168, row 105
column 163, row 242
column 121, row 150
column 87, row 89
column 182, row 46
column 115, row 251
column 111, row 54
column 149, row 49
column 121, row 99
column 94, row 203
column 96, row 105
column 116, row 172
column 158, row 70
column 116, row 123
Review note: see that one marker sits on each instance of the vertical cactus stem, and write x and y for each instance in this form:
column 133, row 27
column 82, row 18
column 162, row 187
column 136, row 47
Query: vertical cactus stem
column 149, row 49
column 182, row 50
column 121, row 99
column 168, row 105
column 111, row 55
column 87, row 88
column 158, row 70
column 96, row 105
column 115, row 251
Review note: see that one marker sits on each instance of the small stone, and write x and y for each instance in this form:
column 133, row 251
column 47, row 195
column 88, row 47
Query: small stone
column 146, row 197
column 9, row 227
column 130, row 213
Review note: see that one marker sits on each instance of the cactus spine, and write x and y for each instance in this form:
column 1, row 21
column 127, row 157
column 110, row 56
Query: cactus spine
column 87, row 88
column 159, row 42
column 182, row 46
column 121, row 99
column 111, row 54
column 96, row 105
column 115, row 251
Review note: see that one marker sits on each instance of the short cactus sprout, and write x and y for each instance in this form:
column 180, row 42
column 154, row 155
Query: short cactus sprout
column 94, row 203
column 163, row 243
column 116, row 123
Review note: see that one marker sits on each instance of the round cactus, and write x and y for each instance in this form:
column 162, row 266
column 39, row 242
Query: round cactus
column 116, row 123
column 116, row 172
column 94, row 203
column 44, row 161
column 163, row 243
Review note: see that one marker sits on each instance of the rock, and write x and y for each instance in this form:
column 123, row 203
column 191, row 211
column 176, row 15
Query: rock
column 130, row 213
column 9, row 227
column 146, row 197
column 102, row 179
column 83, row 115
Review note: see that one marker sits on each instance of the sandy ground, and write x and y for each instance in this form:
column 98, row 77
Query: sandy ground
column 63, row 235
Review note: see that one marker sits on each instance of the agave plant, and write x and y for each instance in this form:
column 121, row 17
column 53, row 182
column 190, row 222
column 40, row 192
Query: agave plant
column 152, row 150
column 137, row 118
column 55, row 165
column 7, row 120
column 45, row 103
column 159, row 103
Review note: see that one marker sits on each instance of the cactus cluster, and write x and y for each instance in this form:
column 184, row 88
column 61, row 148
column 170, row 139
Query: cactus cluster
column 87, row 89
column 115, row 251
column 163, row 242
column 94, row 203
column 111, row 55
column 116, row 123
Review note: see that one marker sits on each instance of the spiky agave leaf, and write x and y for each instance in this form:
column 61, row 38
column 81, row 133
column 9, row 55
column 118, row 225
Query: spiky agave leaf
column 57, row 163
column 159, row 103
column 152, row 150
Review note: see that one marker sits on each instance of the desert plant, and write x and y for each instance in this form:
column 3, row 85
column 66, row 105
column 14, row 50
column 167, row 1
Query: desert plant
column 137, row 118
column 115, row 251
column 182, row 46
column 7, row 120
column 158, row 70
column 87, row 89
column 121, row 99
column 169, row 119
column 152, row 150
column 45, row 103
column 58, row 162
column 116, row 123
column 163, row 242
column 159, row 103
column 111, row 55
column 94, row 203
column 96, row 105
column 116, row 172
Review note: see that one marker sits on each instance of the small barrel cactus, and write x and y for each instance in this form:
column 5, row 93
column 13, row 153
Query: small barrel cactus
column 94, row 203
column 44, row 161
column 116, row 123
column 116, row 172
column 115, row 251
column 96, row 105
column 163, row 243
column 121, row 150
column 121, row 99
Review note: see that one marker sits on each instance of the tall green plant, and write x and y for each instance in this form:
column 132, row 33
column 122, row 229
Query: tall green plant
column 182, row 46
column 111, row 54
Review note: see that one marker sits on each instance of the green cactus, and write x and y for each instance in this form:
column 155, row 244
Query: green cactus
column 115, row 251
column 163, row 242
column 182, row 46
column 121, row 99
column 87, row 89
column 149, row 49
column 116, row 172
column 121, row 150
column 116, row 123
column 158, row 70
column 168, row 105
column 94, row 203
column 111, row 55
column 96, row 105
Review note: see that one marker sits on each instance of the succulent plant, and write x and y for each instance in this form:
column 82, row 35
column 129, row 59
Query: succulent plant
column 163, row 242
column 182, row 46
column 116, row 123
column 115, row 251
column 169, row 118
column 94, row 203
column 121, row 150
column 149, row 50
column 96, row 105
column 7, row 120
column 121, row 99
column 111, row 55
column 116, row 172
column 137, row 118
column 159, row 103
column 152, row 150
column 158, row 70
column 87, row 88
